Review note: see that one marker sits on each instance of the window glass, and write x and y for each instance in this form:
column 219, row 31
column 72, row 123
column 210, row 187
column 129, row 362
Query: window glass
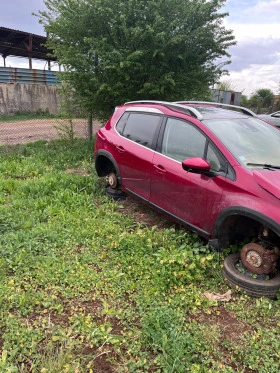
column 250, row 140
column 182, row 141
column 141, row 128
column 121, row 123
column 213, row 159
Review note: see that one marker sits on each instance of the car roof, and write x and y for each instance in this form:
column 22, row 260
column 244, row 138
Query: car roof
column 212, row 112
column 198, row 109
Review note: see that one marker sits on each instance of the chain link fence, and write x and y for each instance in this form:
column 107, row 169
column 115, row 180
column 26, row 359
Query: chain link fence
column 25, row 119
column 20, row 128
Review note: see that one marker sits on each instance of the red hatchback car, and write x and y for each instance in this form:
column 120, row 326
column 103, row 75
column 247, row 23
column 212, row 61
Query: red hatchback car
column 211, row 167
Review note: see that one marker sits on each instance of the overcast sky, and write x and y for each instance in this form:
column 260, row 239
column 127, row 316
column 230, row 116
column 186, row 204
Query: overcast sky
column 255, row 24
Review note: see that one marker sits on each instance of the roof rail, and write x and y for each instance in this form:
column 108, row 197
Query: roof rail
column 171, row 105
column 243, row 109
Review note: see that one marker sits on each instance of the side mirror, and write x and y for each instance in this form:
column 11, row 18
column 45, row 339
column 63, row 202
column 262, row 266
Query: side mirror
column 196, row 165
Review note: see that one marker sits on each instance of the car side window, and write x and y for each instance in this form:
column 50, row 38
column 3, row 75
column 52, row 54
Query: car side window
column 212, row 159
column 181, row 140
column 141, row 128
column 121, row 123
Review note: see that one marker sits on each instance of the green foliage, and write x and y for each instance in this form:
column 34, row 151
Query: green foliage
column 82, row 283
column 20, row 116
column 277, row 106
column 261, row 101
column 116, row 51
column 68, row 110
column 262, row 98
column 244, row 101
column 175, row 343
column 265, row 96
column 259, row 356
column 225, row 85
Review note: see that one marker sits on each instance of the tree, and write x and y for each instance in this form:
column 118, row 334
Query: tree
column 263, row 97
column 244, row 101
column 225, row 85
column 116, row 51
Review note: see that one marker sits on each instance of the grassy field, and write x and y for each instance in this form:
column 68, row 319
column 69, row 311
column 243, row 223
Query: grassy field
column 87, row 285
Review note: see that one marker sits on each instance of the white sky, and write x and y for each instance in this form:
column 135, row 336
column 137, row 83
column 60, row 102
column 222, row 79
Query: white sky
column 255, row 24
column 256, row 57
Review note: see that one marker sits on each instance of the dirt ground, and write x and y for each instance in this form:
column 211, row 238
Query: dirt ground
column 20, row 132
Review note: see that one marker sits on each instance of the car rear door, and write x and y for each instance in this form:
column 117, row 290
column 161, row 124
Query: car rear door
column 135, row 150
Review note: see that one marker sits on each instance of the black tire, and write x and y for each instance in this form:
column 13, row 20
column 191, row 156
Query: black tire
column 253, row 287
column 116, row 194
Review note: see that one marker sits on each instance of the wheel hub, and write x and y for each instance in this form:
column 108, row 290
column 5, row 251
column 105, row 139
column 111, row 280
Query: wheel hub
column 254, row 259
column 257, row 259
column 112, row 180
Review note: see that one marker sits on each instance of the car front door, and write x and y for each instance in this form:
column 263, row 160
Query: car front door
column 192, row 199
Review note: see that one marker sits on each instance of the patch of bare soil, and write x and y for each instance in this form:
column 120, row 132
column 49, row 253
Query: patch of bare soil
column 231, row 328
column 144, row 214
column 102, row 355
column 21, row 132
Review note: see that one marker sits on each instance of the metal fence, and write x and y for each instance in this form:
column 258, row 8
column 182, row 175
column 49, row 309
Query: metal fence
column 27, row 76
column 31, row 112
column 27, row 126
column 17, row 129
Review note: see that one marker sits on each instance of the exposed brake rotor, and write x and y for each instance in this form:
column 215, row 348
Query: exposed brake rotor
column 257, row 259
column 112, row 180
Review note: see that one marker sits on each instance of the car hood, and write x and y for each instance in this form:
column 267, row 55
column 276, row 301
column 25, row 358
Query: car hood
column 264, row 116
column 268, row 180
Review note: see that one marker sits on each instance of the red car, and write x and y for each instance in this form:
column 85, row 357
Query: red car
column 211, row 167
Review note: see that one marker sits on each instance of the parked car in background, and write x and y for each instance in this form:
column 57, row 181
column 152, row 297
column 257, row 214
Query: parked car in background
column 213, row 168
column 273, row 118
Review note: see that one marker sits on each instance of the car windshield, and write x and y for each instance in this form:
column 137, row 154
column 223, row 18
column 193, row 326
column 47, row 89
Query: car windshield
column 250, row 140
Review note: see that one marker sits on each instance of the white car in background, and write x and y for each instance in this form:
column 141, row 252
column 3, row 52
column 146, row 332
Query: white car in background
column 273, row 118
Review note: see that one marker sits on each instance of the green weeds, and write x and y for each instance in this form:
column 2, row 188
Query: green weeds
column 20, row 116
column 86, row 288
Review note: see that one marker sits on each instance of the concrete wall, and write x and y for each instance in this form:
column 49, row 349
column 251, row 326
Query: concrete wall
column 28, row 98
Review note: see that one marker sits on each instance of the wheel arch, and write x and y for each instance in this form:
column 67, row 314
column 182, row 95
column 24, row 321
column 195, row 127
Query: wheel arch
column 236, row 223
column 105, row 164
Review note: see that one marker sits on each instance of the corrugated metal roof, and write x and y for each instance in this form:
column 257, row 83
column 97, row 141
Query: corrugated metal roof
column 23, row 32
column 23, row 44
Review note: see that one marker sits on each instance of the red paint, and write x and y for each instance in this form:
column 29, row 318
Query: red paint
column 195, row 196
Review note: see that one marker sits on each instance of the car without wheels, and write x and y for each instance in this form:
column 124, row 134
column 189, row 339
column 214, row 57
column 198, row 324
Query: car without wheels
column 213, row 168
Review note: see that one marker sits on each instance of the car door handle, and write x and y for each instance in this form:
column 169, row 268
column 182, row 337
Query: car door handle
column 160, row 169
column 120, row 149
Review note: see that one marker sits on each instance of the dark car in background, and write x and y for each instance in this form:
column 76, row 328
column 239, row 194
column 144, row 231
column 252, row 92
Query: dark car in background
column 213, row 168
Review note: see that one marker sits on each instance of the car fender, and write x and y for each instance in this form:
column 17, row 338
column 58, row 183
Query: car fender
column 240, row 211
column 106, row 154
